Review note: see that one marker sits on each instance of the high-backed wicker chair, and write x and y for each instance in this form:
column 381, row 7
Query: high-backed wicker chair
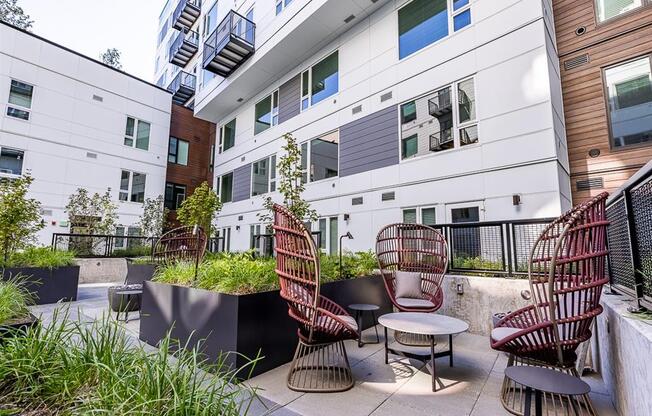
column 320, row 362
column 566, row 273
column 187, row 244
column 413, row 248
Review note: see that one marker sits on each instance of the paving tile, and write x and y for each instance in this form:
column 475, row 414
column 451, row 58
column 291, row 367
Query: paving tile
column 272, row 385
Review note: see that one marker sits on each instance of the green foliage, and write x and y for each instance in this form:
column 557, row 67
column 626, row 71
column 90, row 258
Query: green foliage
column 476, row 263
column 13, row 14
column 200, row 208
column 91, row 214
column 241, row 273
column 14, row 299
column 40, row 257
column 133, row 251
column 75, row 368
column 154, row 217
column 20, row 216
column 291, row 185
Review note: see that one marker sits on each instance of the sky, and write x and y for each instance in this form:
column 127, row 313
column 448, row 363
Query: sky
column 91, row 26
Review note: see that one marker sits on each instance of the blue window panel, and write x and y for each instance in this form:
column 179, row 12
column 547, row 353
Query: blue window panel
column 462, row 20
column 458, row 4
column 325, row 79
column 421, row 23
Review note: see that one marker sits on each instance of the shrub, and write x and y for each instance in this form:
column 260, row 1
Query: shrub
column 40, row 257
column 20, row 216
column 476, row 263
column 134, row 251
column 14, row 299
column 74, row 368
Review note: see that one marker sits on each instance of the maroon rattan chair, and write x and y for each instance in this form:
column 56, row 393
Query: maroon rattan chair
column 567, row 271
column 182, row 244
column 320, row 362
column 413, row 248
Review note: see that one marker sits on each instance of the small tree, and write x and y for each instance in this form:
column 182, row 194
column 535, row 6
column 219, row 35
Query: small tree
column 291, row 185
column 154, row 217
column 92, row 214
column 13, row 14
column 111, row 57
column 20, row 217
column 200, row 208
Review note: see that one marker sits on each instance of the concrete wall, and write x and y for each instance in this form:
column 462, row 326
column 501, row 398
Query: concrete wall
column 102, row 270
column 625, row 351
column 483, row 296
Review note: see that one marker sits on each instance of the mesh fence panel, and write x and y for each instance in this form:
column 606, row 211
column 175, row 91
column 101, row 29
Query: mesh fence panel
column 642, row 212
column 620, row 252
column 525, row 235
column 477, row 247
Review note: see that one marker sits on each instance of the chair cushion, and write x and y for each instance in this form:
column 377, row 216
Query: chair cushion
column 502, row 332
column 326, row 321
column 408, row 285
column 415, row 303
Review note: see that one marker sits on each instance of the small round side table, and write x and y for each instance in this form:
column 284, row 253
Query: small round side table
column 545, row 380
column 360, row 309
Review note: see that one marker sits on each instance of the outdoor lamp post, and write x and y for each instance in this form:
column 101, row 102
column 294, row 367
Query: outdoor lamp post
column 350, row 237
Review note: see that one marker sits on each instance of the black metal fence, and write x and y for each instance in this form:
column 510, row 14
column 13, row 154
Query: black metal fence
column 629, row 236
column 85, row 245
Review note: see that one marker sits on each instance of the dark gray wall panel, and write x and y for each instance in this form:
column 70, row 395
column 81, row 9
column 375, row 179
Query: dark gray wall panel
column 242, row 183
column 289, row 99
column 370, row 142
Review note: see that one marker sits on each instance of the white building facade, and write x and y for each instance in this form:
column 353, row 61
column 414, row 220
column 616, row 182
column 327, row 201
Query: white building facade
column 72, row 122
column 434, row 111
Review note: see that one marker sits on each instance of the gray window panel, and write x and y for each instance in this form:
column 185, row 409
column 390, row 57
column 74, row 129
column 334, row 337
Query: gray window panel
column 289, row 99
column 428, row 216
column 323, row 159
column 333, row 225
column 226, row 187
column 322, row 233
column 410, row 216
column 325, row 78
column 229, row 135
column 138, row 187
column 468, row 214
column 20, row 94
column 263, row 115
column 11, row 161
column 260, row 177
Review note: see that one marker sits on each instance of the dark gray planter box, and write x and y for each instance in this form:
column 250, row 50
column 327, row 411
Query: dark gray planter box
column 246, row 324
column 49, row 285
column 139, row 273
column 17, row 327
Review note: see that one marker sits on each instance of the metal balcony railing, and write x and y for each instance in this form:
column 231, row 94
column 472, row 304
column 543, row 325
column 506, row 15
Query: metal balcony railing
column 184, row 47
column 182, row 87
column 230, row 45
column 441, row 140
column 186, row 14
column 441, row 103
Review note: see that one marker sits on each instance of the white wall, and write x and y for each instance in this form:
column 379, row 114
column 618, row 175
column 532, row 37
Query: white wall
column 66, row 124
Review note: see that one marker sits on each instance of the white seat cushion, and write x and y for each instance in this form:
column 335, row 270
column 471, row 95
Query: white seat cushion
column 502, row 332
column 415, row 303
column 326, row 321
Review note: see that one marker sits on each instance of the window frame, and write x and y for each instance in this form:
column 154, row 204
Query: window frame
column 130, row 185
column 599, row 23
column 307, row 169
column 456, row 127
column 18, row 107
column 271, row 166
column 273, row 111
column 419, row 213
column 308, row 74
column 605, row 95
column 134, row 136
column 325, row 239
column 22, row 165
column 220, row 134
column 283, row 5
column 219, row 187
column 175, row 201
column 176, row 155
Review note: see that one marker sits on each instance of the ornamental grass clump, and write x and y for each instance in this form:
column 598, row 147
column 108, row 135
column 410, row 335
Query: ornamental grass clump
column 14, row 300
column 74, row 368
column 40, row 257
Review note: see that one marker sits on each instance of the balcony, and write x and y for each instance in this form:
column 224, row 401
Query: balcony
column 182, row 87
column 230, row 45
column 442, row 140
column 440, row 104
column 185, row 46
column 186, row 14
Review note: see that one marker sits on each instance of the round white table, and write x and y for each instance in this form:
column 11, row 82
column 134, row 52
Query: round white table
column 429, row 324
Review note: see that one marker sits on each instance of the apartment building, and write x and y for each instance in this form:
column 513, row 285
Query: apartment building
column 73, row 122
column 605, row 49
column 432, row 111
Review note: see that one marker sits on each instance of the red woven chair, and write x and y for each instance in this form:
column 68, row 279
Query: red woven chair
column 413, row 248
column 182, row 244
column 567, row 271
column 320, row 362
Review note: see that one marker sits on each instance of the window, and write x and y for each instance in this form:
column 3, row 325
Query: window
column 281, row 5
column 174, row 195
column 467, row 214
column 211, row 159
column 210, row 20
column 223, row 239
column 226, row 136
column 178, row 151
column 263, row 176
column 440, row 120
column 320, row 81
column 266, row 113
column 132, row 186
column 423, row 22
column 607, row 9
column 328, row 234
column 137, row 133
column 629, row 100
column 119, row 242
column 11, row 162
column 20, row 100
column 319, row 157
column 426, row 216
column 224, row 187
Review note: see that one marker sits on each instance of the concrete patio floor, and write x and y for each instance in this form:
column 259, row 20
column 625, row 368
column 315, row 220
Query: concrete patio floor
column 402, row 387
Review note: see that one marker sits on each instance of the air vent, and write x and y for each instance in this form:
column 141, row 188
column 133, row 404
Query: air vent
column 386, row 96
column 590, row 183
column 98, row 98
column 357, row 201
column 357, row 109
column 388, row 196
column 240, row 217
column 348, row 19
column 242, row 159
column 91, row 155
column 576, row 62
column 46, row 212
